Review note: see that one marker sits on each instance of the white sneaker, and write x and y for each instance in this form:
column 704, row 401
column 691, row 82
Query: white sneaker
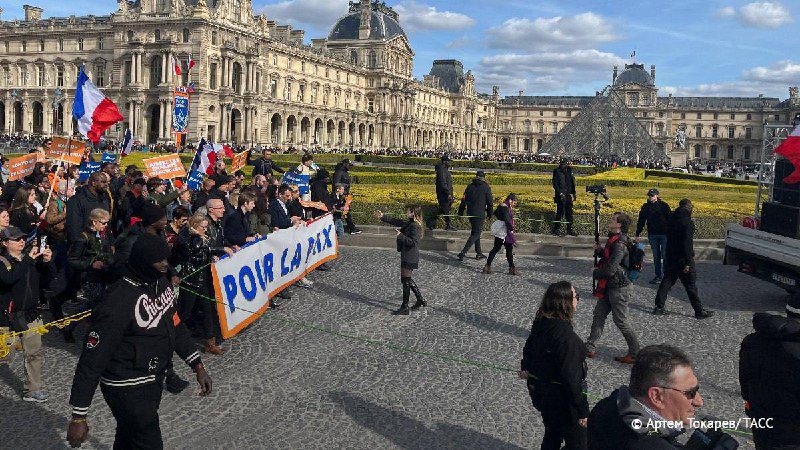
column 37, row 396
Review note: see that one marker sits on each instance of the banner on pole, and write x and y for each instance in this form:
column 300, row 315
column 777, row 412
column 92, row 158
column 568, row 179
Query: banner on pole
column 238, row 161
column 300, row 180
column 245, row 282
column 86, row 169
column 165, row 167
column 58, row 149
column 109, row 157
column 195, row 180
column 180, row 110
column 21, row 167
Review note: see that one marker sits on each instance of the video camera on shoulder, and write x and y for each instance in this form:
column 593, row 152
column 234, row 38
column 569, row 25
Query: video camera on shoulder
column 596, row 189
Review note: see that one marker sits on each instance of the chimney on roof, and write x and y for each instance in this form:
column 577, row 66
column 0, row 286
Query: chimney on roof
column 614, row 75
column 364, row 21
column 653, row 72
column 32, row 13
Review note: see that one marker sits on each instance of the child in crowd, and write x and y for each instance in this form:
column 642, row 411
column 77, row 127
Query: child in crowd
column 339, row 202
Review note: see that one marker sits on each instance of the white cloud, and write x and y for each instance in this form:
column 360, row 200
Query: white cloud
column 320, row 13
column 772, row 81
column 758, row 14
column 462, row 42
column 546, row 71
column 581, row 31
column 420, row 17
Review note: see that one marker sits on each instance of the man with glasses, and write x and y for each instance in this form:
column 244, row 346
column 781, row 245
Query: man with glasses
column 654, row 409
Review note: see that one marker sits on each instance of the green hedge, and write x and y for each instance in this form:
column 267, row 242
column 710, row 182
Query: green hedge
column 524, row 167
column 696, row 177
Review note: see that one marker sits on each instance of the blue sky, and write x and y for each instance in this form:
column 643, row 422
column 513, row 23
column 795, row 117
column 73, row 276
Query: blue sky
column 715, row 47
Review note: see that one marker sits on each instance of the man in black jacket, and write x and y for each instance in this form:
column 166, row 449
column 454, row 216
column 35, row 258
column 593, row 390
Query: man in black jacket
column 663, row 391
column 341, row 175
column 20, row 275
column 237, row 224
column 478, row 202
column 263, row 166
column 655, row 214
column 769, row 375
column 564, row 187
column 320, row 192
column 93, row 196
column 680, row 261
column 444, row 192
column 129, row 348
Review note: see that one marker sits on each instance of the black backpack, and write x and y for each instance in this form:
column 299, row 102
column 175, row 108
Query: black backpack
column 635, row 259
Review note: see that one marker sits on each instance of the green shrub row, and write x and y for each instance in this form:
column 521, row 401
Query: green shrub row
column 696, row 177
column 524, row 167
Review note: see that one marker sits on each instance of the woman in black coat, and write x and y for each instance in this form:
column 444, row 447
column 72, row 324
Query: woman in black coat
column 553, row 363
column 503, row 230
column 23, row 212
column 408, row 236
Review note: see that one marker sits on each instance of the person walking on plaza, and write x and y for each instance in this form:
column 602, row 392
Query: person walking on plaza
column 478, row 202
column 503, row 230
column 554, row 365
column 444, row 192
column 613, row 290
column 129, row 348
column 769, row 364
column 680, row 261
column 655, row 214
column 21, row 273
column 564, row 187
column 409, row 233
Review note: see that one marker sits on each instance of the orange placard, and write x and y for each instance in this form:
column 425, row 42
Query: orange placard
column 58, row 149
column 315, row 205
column 238, row 161
column 165, row 167
column 21, row 167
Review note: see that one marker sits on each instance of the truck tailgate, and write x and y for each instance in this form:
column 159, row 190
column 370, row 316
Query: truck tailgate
column 769, row 246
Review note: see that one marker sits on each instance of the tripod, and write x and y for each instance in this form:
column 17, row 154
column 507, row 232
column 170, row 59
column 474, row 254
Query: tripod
column 598, row 205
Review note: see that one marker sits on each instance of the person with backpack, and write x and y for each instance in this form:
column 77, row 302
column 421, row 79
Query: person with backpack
column 613, row 289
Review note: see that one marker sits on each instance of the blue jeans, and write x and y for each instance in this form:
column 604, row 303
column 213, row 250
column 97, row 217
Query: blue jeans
column 339, row 228
column 658, row 244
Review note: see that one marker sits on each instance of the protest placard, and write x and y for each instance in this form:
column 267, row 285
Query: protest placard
column 238, row 161
column 21, row 167
column 165, row 167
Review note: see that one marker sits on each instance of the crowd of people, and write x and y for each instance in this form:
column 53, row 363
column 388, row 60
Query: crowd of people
column 70, row 245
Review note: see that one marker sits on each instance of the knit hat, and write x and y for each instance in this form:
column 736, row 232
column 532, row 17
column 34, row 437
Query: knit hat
column 147, row 250
column 480, row 174
column 793, row 306
column 652, row 192
column 151, row 213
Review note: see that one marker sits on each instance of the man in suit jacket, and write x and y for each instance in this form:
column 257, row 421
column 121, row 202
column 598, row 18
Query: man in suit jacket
column 279, row 212
column 237, row 224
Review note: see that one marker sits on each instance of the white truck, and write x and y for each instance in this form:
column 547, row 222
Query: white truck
column 754, row 246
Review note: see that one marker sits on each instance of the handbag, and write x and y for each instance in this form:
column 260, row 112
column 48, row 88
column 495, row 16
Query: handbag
column 498, row 229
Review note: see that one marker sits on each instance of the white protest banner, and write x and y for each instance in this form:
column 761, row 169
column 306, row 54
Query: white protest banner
column 244, row 282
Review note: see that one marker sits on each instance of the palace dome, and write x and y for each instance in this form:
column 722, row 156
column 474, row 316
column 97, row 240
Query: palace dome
column 633, row 73
column 382, row 26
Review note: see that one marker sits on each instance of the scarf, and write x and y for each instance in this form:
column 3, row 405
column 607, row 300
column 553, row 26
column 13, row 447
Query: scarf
column 600, row 290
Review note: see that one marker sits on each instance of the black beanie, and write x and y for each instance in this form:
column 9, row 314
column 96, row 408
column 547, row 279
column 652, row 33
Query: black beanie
column 151, row 213
column 147, row 250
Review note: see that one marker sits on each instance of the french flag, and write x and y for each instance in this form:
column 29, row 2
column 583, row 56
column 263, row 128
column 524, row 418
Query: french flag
column 204, row 158
column 177, row 65
column 790, row 149
column 127, row 143
column 94, row 111
column 224, row 149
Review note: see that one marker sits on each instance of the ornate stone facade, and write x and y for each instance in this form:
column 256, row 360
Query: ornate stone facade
column 256, row 82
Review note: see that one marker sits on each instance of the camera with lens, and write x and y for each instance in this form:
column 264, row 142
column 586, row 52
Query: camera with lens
column 597, row 189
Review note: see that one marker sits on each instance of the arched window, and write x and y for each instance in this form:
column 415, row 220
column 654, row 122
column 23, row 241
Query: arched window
column 713, row 152
column 373, row 59
column 185, row 35
column 698, row 151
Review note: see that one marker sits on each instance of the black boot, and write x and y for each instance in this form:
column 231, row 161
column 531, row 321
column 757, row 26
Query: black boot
column 403, row 310
column 420, row 303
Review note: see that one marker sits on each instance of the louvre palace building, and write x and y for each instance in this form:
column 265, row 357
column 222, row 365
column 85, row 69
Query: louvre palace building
column 258, row 82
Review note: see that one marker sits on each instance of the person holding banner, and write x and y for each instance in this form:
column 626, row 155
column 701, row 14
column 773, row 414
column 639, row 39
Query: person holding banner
column 237, row 224
column 157, row 192
column 409, row 233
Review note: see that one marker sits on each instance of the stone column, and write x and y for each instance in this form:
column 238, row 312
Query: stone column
column 139, row 68
column 162, row 126
column 133, row 68
column 130, row 116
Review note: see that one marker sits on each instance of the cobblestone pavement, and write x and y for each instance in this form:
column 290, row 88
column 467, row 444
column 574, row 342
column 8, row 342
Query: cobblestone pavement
column 284, row 386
